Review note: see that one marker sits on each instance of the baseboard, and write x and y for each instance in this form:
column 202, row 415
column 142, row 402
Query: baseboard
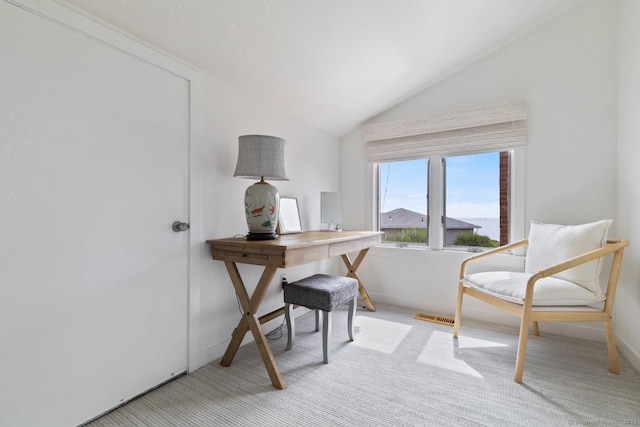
column 213, row 352
column 479, row 311
column 216, row 351
column 632, row 355
column 577, row 330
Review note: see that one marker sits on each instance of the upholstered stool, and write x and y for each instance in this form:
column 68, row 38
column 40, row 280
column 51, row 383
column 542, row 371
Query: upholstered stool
column 321, row 293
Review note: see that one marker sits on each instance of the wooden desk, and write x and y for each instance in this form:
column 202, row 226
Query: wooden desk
column 285, row 251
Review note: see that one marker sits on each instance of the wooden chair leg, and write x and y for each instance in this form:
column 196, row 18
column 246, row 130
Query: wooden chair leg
column 326, row 335
column 611, row 347
column 291, row 326
column 456, row 320
column 536, row 329
column 522, row 348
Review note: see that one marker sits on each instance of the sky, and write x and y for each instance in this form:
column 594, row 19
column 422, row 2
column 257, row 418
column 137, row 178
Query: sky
column 472, row 182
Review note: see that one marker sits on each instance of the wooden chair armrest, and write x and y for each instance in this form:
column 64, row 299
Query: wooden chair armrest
column 490, row 252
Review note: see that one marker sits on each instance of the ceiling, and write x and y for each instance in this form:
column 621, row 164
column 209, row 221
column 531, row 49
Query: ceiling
column 330, row 63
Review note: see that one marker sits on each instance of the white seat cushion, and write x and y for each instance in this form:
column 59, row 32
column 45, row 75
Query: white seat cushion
column 549, row 291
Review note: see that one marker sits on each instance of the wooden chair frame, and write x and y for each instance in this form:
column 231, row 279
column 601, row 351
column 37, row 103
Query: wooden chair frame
column 526, row 314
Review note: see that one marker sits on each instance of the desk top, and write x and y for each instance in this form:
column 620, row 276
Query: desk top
column 293, row 249
column 295, row 240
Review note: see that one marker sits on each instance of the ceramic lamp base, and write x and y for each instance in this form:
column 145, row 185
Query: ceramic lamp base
column 261, row 202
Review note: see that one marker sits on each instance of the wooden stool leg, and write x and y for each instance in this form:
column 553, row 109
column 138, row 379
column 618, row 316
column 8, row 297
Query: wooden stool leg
column 326, row 334
column 291, row 325
column 352, row 316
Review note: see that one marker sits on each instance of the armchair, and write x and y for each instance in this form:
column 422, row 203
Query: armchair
column 560, row 282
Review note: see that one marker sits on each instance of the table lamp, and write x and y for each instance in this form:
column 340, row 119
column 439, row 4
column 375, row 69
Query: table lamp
column 260, row 157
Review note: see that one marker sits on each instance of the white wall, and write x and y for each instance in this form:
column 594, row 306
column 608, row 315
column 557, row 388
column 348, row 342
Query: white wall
column 221, row 113
column 312, row 166
column 627, row 309
column 566, row 72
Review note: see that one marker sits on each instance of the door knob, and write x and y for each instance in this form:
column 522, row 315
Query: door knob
column 178, row 226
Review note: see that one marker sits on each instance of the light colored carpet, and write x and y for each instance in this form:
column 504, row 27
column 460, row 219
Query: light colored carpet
column 399, row 372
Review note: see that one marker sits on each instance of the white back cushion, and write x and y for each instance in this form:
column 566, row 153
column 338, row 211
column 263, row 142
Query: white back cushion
column 551, row 244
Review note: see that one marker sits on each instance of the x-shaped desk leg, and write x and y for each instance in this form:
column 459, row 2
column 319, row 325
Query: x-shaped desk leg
column 353, row 267
column 251, row 322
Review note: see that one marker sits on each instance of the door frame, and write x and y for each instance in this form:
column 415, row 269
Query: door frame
column 74, row 20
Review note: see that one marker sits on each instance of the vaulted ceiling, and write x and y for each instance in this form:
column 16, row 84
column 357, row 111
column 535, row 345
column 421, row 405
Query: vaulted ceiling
column 330, row 63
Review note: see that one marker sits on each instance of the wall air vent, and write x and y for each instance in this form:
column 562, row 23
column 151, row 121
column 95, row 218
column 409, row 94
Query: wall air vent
column 435, row 319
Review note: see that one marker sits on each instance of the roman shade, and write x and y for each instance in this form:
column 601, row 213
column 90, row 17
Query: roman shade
column 496, row 127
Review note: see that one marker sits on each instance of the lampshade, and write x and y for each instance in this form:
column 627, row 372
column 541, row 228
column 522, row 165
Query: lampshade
column 261, row 156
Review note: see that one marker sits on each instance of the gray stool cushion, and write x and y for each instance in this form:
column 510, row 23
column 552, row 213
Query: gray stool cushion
column 321, row 291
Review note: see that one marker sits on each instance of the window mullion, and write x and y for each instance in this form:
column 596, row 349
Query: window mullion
column 436, row 198
column 516, row 203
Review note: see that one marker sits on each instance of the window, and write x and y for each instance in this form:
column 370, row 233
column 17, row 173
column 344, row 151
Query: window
column 462, row 173
column 472, row 211
column 473, row 202
column 403, row 201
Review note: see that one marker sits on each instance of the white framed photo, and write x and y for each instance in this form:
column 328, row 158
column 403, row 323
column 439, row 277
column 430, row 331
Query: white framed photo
column 289, row 221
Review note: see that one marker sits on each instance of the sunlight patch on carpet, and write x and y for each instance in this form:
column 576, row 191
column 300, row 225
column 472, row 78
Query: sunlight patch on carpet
column 468, row 342
column 379, row 335
column 440, row 352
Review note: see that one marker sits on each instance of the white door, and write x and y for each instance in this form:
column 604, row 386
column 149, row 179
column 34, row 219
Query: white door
column 94, row 146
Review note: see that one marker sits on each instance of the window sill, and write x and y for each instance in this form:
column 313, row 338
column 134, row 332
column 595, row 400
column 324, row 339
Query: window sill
column 420, row 250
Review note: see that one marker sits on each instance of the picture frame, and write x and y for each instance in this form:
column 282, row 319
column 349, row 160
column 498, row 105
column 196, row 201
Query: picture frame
column 289, row 221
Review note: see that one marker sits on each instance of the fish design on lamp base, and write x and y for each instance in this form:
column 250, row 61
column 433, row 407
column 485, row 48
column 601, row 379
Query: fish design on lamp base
column 261, row 204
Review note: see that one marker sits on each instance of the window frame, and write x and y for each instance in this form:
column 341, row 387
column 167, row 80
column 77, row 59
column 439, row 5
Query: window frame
column 435, row 204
